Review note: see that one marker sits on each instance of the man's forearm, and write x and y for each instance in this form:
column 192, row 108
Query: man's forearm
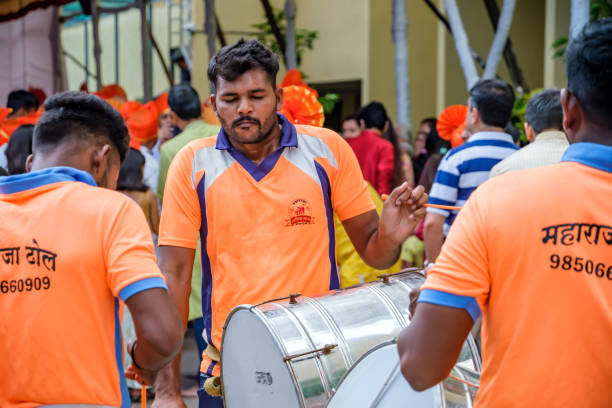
column 169, row 378
column 381, row 252
column 433, row 236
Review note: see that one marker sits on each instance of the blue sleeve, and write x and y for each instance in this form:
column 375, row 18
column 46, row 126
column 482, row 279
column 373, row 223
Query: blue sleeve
column 437, row 297
column 141, row 285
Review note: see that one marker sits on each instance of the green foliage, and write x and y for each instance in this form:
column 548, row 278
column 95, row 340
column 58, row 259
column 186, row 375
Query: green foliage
column 518, row 113
column 304, row 39
column 329, row 101
column 599, row 9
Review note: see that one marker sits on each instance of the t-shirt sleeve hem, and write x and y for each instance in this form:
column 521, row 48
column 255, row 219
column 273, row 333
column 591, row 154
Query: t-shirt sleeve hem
column 357, row 211
column 141, row 285
column 436, row 297
column 183, row 243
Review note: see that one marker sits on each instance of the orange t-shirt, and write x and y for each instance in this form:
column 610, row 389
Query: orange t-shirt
column 268, row 230
column 533, row 250
column 68, row 252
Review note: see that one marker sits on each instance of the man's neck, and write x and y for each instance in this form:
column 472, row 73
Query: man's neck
column 485, row 128
column 257, row 152
column 593, row 134
column 182, row 123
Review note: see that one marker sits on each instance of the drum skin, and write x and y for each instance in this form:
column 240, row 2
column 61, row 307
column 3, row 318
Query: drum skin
column 258, row 339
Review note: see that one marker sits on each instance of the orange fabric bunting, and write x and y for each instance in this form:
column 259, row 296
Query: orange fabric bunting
column 294, row 77
column 451, row 124
column 141, row 121
column 301, row 106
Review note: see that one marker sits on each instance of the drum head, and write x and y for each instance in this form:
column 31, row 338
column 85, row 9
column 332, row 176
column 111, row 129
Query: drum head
column 376, row 377
column 259, row 376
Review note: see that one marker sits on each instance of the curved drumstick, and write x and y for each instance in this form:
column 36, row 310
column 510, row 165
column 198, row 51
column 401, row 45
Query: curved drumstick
column 443, row 207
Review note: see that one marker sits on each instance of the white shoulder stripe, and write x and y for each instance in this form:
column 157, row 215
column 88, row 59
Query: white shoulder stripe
column 214, row 162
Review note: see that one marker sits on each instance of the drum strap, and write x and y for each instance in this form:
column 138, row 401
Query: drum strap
column 212, row 385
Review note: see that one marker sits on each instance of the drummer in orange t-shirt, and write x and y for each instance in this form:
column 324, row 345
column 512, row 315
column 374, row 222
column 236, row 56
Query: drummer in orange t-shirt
column 532, row 251
column 261, row 196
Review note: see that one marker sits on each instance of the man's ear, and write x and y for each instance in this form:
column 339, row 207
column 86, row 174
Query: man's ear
column 99, row 161
column 474, row 117
column 212, row 99
column 529, row 132
column 572, row 113
column 362, row 124
column 28, row 163
column 279, row 98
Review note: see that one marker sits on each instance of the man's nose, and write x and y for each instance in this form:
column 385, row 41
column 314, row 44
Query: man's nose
column 244, row 107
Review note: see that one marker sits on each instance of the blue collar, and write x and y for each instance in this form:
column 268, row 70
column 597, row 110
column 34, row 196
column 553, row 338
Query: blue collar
column 27, row 181
column 590, row 154
column 288, row 135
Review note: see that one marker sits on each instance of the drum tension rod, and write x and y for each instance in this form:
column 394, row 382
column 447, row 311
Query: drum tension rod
column 385, row 276
column 325, row 350
column 292, row 300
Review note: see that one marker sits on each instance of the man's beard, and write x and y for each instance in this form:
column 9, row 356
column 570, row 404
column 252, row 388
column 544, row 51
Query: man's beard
column 263, row 133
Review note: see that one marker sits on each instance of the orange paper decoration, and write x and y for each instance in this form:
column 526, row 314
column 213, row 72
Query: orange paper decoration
column 301, row 106
column 451, row 124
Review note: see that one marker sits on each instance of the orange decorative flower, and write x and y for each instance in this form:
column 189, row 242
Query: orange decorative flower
column 161, row 102
column 451, row 124
column 112, row 92
column 301, row 106
column 8, row 126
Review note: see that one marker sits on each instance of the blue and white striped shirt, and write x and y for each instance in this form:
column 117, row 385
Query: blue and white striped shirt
column 466, row 167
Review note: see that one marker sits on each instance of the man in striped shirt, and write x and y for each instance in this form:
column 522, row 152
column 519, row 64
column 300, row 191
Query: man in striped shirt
column 467, row 166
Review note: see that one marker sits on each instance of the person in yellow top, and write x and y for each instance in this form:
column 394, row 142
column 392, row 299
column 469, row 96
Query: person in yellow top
column 353, row 270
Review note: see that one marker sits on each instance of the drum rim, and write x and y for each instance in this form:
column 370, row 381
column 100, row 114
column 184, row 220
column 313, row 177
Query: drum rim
column 259, row 315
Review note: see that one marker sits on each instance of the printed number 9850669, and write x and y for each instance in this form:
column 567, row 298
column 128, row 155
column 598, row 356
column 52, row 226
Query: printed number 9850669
column 25, row 285
column 579, row 264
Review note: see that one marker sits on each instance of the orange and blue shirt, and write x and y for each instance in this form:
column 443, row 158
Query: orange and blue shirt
column 68, row 252
column 532, row 251
column 266, row 230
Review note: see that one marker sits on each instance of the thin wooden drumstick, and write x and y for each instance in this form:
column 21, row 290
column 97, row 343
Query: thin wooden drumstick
column 463, row 381
column 143, row 396
column 443, row 207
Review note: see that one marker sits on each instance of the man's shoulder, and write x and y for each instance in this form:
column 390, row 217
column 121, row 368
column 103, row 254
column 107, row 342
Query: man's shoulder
column 321, row 141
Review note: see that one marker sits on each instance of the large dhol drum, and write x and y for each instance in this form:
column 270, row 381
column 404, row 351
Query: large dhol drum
column 376, row 381
column 294, row 352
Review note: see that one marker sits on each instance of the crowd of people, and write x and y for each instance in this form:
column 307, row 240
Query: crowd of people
column 246, row 197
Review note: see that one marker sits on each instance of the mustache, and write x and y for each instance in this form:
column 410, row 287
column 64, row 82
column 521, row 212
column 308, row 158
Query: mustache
column 243, row 119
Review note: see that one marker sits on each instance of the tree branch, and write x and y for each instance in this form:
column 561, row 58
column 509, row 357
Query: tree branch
column 275, row 29
column 500, row 40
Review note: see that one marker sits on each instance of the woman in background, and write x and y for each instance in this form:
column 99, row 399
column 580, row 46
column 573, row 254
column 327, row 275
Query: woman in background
column 130, row 183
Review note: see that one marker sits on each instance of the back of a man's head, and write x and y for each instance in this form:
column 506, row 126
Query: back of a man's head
column 374, row 115
column 544, row 111
column 22, row 99
column 79, row 116
column 244, row 55
column 589, row 71
column 494, row 100
column 184, row 101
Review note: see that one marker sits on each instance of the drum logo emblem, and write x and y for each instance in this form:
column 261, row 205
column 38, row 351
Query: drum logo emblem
column 263, row 378
column 300, row 213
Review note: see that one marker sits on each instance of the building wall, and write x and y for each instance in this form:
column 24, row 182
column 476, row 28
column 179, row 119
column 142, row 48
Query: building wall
column 130, row 51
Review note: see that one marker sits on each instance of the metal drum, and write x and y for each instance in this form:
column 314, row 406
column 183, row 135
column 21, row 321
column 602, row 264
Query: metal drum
column 376, row 381
column 294, row 352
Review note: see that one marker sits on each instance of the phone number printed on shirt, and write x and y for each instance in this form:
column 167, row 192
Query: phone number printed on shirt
column 25, row 285
column 580, row 264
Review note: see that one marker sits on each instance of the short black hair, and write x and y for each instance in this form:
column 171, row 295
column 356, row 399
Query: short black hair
column 244, row 55
column 543, row 111
column 130, row 174
column 184, row 101
column 494, row 100
column 374, row 115
column 589, row 70
column 77, row 115
column 353, row 116
column 21, row 98
column 18, row 149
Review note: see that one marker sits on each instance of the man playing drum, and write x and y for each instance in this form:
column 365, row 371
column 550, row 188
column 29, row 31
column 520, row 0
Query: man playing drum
column 532, row 251
column 262, row 196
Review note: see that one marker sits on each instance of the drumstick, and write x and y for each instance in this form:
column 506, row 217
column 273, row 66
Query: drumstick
column 443, row 207
column 143, row 396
